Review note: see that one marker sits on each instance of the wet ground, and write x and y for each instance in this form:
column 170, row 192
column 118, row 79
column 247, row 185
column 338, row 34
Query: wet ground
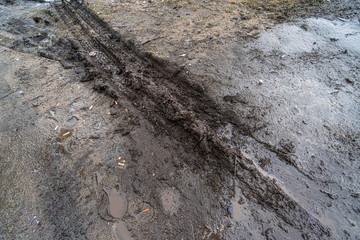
column 100, row 140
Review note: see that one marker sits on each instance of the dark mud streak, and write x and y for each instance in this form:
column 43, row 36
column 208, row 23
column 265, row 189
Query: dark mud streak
column 174, row 104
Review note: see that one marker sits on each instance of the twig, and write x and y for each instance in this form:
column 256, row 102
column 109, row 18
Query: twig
column 146, row 42
column 6, row 95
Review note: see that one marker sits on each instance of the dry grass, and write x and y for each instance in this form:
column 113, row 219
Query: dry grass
column 275, row 9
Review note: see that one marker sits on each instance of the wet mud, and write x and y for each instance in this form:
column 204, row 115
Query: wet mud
column 170, row 101
column 153, row 156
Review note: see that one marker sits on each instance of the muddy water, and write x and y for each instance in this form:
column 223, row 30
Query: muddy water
column 117, row 204
column 117, row 208
column 121, row 231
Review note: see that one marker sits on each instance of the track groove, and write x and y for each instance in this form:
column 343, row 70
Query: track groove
column 169, row 100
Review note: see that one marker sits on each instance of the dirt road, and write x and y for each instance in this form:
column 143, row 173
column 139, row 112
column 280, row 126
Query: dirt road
column 100, row 140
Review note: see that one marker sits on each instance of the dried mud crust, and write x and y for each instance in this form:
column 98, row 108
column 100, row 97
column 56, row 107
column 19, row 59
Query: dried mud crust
column 177, row 108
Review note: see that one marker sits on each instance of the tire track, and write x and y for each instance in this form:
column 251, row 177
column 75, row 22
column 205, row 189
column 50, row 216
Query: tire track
column 174, row 104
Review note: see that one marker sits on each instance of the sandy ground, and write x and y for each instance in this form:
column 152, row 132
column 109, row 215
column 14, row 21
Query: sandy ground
column 77, row 164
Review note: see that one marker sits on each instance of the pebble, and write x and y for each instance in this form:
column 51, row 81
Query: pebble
column 305, row 27
column 238, row 20
column 350, row 80
column 356, row 195
column 92, row 53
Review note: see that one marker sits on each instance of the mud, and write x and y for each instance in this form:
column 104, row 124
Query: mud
column 121, row 232
column 156, row 156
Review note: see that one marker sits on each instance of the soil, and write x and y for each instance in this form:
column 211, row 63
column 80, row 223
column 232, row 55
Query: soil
column 251, row 136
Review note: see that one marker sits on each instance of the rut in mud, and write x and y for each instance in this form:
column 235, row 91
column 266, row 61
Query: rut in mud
column 176, row 107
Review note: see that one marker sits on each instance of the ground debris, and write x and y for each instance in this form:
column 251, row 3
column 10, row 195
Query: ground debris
column 330, row 195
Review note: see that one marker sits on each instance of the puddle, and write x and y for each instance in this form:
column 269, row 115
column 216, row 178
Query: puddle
column 112, row 205
column 117, row 209
column 117, row 203
column 121, row 231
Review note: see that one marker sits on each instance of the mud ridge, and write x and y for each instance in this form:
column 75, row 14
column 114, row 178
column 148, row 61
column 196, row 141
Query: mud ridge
column 168, row 99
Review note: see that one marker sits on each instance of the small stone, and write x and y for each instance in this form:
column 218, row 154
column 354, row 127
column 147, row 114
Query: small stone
column 92, row 53
column 209, row 37
column 230, row 225
column 113, row 111
column 330, row 195
column 350, row 80
column 305, row 27
column 260, row 82
column 238, row 20
column 356, row 195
